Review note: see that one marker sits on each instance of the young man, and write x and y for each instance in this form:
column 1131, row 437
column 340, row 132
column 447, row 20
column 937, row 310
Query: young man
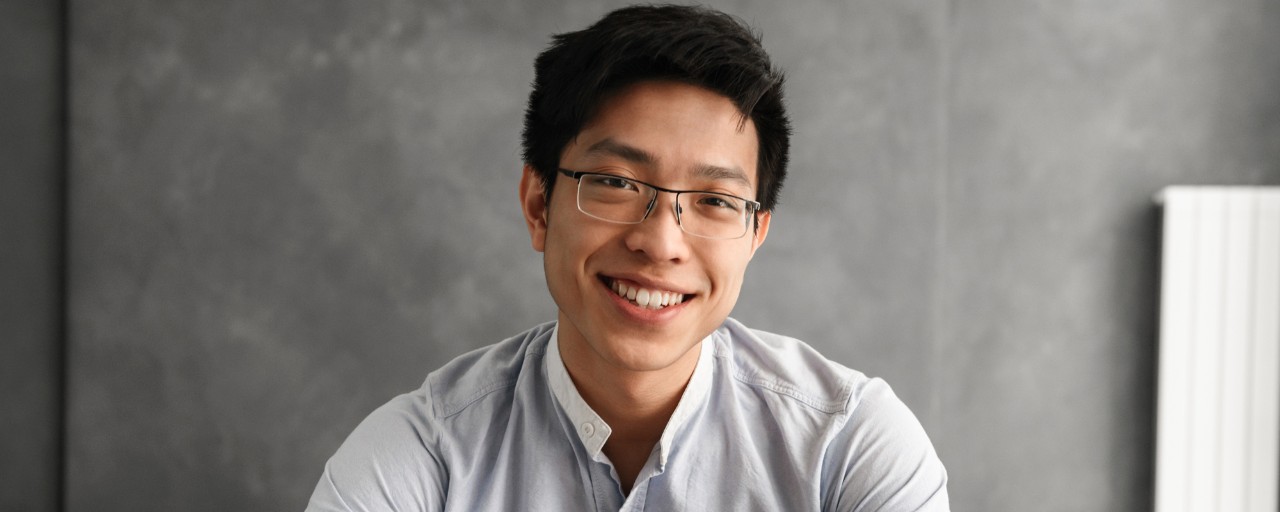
column 655, row 144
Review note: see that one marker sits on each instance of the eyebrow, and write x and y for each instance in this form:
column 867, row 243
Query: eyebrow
column 632, row 154
column 717, row 173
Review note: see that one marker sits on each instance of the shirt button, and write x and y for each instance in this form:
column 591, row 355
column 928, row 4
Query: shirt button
column 588, row 429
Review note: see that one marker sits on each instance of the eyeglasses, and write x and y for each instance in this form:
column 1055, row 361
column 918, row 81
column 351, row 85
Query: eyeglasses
column 613, row 198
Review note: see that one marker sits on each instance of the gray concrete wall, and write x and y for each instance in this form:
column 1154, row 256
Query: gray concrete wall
column 31, row 219
column 1064, row 119
column 284, row 213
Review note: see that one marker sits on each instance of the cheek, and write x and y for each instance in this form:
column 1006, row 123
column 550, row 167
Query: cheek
column 727, row 269
column 560, row 271
column 569, row 247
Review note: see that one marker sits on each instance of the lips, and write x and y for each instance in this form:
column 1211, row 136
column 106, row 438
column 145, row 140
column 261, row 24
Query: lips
column 649, row 298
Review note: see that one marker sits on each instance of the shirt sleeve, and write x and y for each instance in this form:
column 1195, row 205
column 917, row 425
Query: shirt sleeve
column 391, row 462
column 881, row 460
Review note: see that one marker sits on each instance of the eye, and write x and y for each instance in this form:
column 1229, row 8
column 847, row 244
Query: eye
column 615, row 182
column 718, row 202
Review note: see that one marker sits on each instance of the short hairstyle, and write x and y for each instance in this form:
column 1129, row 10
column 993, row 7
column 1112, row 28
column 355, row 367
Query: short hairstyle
column 693, row 45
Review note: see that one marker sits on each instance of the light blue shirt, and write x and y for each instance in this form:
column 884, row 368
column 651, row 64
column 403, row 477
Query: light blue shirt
column 765, row 423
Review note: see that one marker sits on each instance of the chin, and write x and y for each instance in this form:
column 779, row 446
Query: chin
column 644, row 355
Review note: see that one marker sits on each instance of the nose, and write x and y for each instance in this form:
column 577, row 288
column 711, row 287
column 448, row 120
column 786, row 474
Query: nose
column 659, row 236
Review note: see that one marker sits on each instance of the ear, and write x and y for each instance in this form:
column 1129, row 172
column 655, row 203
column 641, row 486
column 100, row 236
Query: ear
column 533, row 202
column 757, row 237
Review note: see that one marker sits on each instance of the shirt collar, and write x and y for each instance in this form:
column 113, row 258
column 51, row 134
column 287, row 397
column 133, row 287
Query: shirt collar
column 593, row 431
column 695, row 393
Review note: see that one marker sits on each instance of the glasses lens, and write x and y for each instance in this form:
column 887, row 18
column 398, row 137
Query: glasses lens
column 711, row 215
column 613, row 198
column 703, row 214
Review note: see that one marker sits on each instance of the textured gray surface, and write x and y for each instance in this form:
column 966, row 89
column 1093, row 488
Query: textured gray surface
column 30, row 254
column 284, row 213
column 1065, row 118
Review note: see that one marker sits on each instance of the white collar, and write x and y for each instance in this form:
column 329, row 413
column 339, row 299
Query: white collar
column 593, row 431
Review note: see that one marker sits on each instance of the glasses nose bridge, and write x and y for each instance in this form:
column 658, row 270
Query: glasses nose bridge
column 653, row 204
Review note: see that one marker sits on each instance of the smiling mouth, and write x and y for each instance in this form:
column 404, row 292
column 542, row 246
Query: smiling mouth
column 645, row 297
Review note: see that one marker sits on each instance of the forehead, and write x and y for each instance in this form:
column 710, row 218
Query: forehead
column 671, row 131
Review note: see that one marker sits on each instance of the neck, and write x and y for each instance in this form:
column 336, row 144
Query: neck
column 636, row 407
column 635, row 404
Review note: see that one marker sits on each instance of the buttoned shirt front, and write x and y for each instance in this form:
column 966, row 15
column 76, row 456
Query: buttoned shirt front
column 765, row 423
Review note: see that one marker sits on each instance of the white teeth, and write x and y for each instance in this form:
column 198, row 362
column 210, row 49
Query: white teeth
column 651, row 299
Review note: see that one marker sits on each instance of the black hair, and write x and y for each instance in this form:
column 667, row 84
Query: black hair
column 693, row 45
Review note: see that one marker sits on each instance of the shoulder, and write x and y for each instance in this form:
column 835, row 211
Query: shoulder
column 477, row 374
column 419, row 418
column 882, row 459
column 789, row 368
column 876, row 455
column 397, row 458
column 461, row 382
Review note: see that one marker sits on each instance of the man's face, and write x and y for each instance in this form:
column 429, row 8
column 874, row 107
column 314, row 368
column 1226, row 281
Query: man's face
column 675, row 136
